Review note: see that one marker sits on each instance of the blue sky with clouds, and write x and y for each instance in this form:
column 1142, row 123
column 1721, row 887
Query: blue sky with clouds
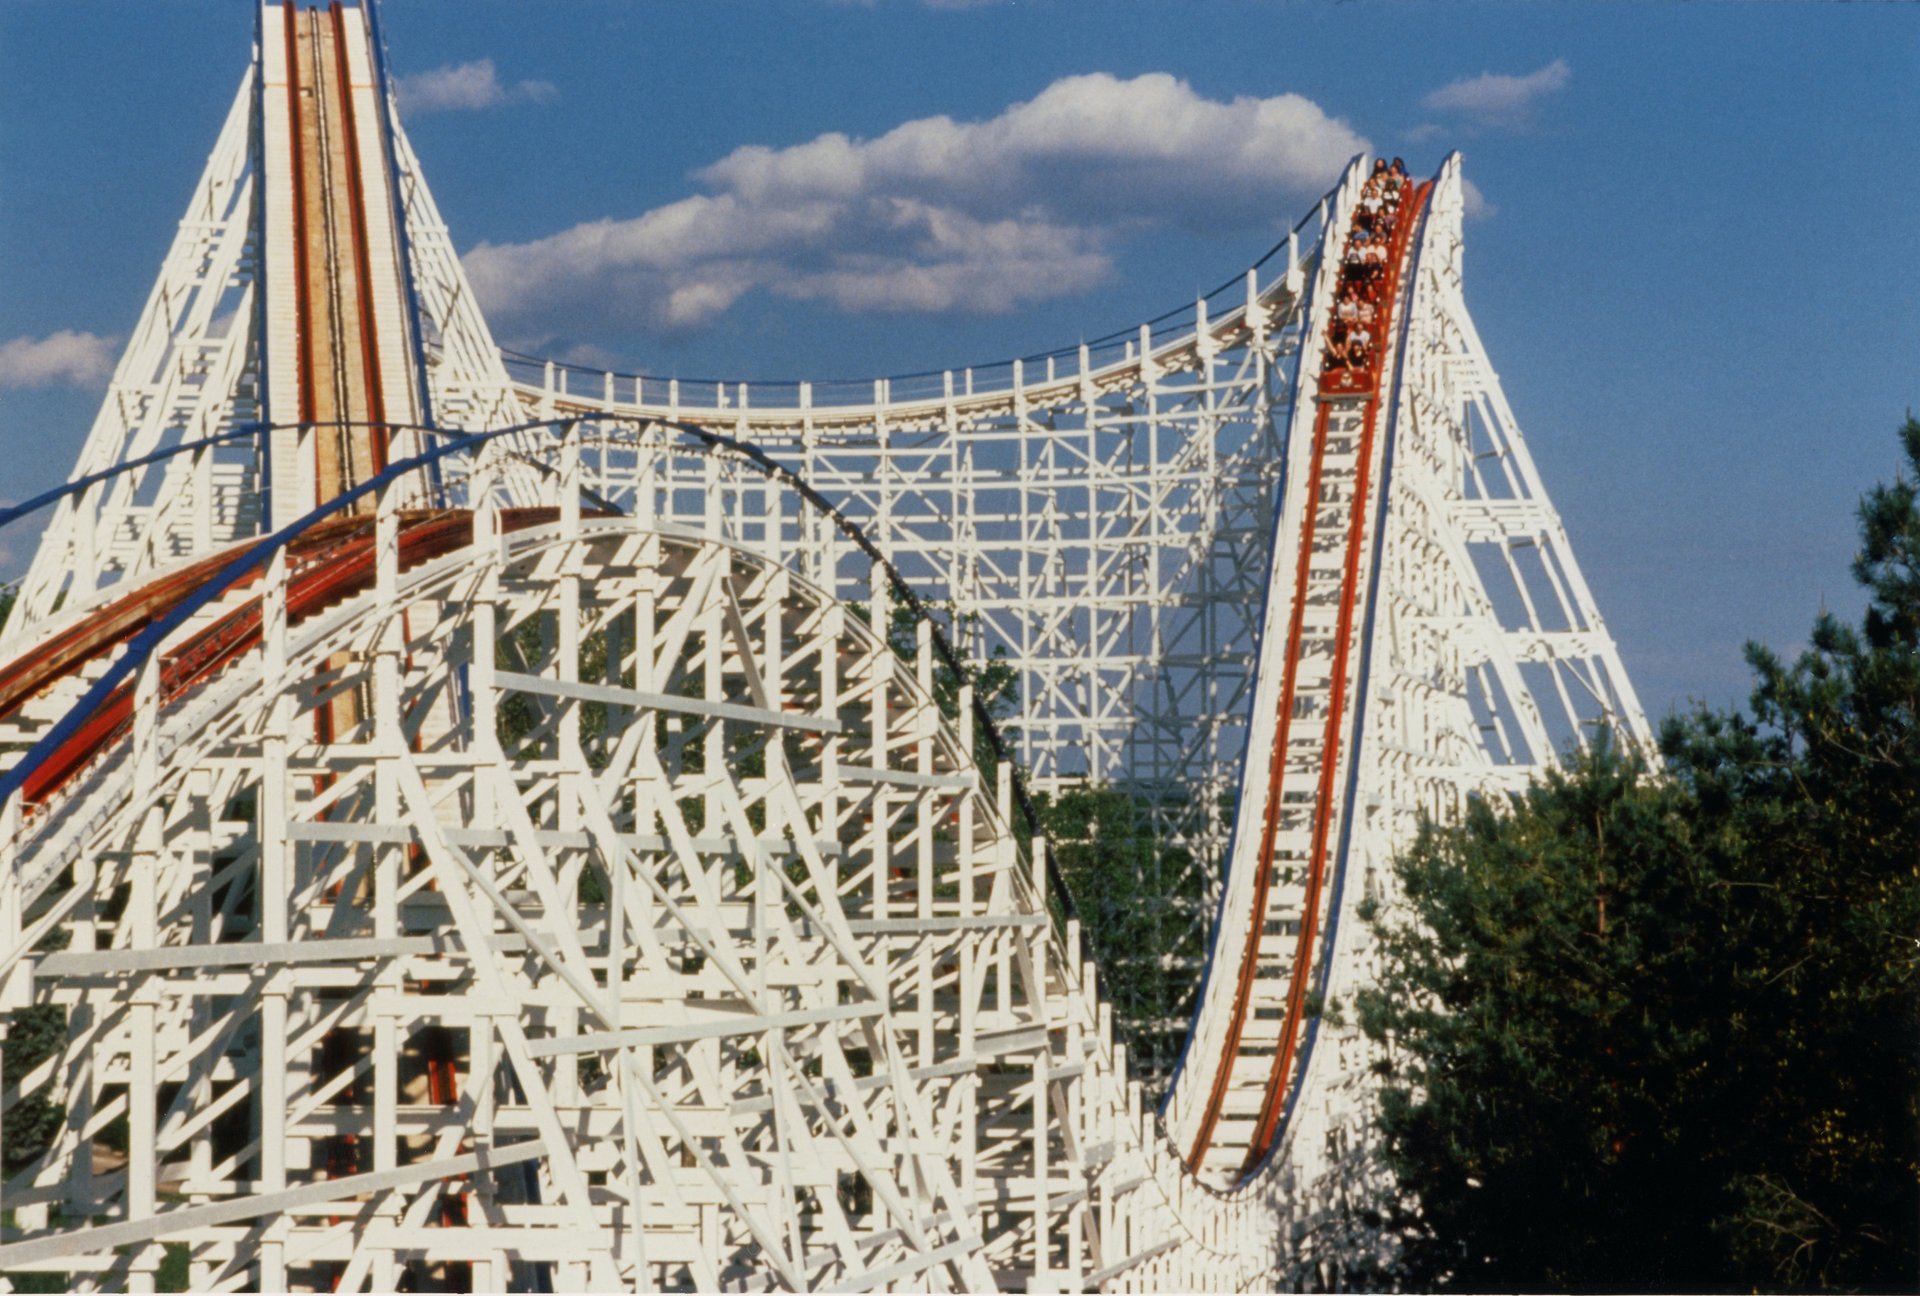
column 1694, row 265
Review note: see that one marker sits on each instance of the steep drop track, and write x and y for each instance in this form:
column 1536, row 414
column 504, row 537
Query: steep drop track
column 1329, row 571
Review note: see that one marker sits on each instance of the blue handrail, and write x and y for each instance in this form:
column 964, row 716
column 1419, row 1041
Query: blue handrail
column 143, row 644
column 15, row 512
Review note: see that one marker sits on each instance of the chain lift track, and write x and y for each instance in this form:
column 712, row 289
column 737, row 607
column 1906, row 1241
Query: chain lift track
column 470, row 823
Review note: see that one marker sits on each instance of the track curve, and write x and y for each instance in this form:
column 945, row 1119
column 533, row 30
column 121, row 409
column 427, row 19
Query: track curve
column 339, row 621
column 904, row 970
column 540, row 857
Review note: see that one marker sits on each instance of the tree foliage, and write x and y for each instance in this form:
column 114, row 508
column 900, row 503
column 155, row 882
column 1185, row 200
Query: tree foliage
column 1137, row 893
column 1661, row 1029
column 995, row 680
column 1139, row 897
column 34, row 1034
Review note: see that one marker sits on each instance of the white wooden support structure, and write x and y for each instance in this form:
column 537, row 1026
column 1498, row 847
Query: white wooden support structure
column 570, row 864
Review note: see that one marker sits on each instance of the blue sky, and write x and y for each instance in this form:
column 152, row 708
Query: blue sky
column 1695, row 272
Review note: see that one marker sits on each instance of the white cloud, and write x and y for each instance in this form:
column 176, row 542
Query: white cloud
column 934, row 215
column 1473, row 203
column 957, row 263
column 64, row 357
column 467, row 87
column 1492, row 99
column 589, row 355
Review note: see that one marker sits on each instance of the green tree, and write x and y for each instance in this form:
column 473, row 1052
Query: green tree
column 995, row 681
column 1822, row 784
column 1139, row 898
column 1137, row 894
column 1661, row 1029
column 34, row 1034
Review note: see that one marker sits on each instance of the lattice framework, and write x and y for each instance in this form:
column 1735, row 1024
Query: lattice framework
column 848, row 1043
column 269, row 934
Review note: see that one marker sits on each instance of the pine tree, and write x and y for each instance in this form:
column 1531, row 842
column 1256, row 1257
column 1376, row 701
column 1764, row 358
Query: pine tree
column 1661, row 1029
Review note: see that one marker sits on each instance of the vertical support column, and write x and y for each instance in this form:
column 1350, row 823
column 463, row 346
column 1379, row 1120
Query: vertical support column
column 789, row 1123
column 925, row 812
column 711, row 499
column 880, row 713
column 489, row 543
column 199, row 903
column 646, row 678
column 1042, row 1125
column 18, row 988
column 276, row 867
column 1081, row 1221
column 5, row 1023
column 387, row 1002
column 566, row 668
column 632, row 629
column 1030, row 583
column 143, row 1178
column 968, row 985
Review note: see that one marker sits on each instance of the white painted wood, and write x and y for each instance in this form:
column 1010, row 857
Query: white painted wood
column 726, row 940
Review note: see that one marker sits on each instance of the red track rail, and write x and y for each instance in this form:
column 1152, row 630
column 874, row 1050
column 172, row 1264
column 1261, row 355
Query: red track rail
column 362, row 256
column 25, row 677
column 1263, row 875
column 342, row 567
column 1274, row 1103
column 1345, row 386
column 303, row 321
